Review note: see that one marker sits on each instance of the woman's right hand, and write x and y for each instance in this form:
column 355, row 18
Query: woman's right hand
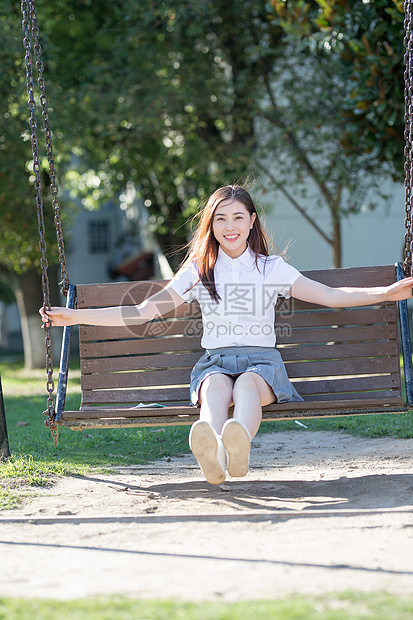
column 58, row 316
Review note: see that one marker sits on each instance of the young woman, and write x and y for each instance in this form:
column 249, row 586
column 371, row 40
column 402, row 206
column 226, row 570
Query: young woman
column 236, row 282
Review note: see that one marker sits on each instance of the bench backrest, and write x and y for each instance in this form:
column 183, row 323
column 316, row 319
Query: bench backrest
column 349, row 353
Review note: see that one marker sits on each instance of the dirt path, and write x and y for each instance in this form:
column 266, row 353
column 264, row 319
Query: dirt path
column 318, row 512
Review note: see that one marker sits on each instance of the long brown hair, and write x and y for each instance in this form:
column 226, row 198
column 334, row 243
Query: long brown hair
column 203, row 249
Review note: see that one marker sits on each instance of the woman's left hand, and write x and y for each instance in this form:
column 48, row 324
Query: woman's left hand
column 400, row 290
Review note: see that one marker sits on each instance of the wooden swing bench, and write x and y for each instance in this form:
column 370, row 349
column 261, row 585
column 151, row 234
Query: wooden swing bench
column 343, row 362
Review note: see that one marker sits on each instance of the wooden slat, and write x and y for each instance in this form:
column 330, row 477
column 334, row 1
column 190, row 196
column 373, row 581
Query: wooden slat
column 350, row 316
column 342, row 367
column 103, row 411
column 292, row 306
column 343, row 403
column 137, row 362
column 154, row 329
column 116, row 293
column 172, row 420
column 132, row 379
column 359, row 396
column 136, row 396
column 339, row 351
column 346, row 384
column 134, row 347
column 325, row 334
column 97, row 413
column 381, row 275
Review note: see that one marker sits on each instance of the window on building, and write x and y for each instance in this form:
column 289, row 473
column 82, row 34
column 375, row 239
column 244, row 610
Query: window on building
column 99, row 237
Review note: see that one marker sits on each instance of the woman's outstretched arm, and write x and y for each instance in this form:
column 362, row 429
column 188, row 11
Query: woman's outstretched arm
column 343, row 297
column 155, row 306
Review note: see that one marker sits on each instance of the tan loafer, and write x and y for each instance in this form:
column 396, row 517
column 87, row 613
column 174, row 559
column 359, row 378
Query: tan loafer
column 237, row 442
column 209, row 451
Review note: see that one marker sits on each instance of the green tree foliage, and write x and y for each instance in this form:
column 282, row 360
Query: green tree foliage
column 165, row 98
column 180, row 97
column 366, row 40
column 19, row 250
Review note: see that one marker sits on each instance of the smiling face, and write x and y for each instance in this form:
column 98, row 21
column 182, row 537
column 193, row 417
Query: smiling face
column 231, row 226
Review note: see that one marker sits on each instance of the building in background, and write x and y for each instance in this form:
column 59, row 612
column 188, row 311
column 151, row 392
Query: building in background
column 110, row 244
column 368, row 238
column 114, row 243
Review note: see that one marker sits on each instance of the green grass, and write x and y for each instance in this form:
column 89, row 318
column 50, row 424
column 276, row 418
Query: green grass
column 345, row 606
column 379, row 425
column 35, row 461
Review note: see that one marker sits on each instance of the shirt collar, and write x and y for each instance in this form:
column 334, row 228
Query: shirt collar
column 247, row 259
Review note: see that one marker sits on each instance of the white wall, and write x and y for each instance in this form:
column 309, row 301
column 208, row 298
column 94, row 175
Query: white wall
column 84, row 267
column 369, row 238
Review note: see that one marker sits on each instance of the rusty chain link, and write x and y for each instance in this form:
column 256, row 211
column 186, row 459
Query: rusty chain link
column 408, row 135
column 49, row 150
column 31, row 42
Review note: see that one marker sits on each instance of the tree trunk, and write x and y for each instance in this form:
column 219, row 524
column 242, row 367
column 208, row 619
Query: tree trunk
column 4, row 441
column 337, row 253
column 173, row 246
column 29, row 299
column 334, row 206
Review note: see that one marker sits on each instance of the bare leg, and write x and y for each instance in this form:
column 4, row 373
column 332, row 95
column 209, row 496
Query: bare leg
column 218, row 391
column 204, row 438
column 215, row 397
column 251, row 392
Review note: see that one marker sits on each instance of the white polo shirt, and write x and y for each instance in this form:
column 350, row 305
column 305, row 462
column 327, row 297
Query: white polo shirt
column 245, row 314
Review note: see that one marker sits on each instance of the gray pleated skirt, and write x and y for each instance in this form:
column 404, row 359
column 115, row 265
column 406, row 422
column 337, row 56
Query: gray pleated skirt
column 265, row 361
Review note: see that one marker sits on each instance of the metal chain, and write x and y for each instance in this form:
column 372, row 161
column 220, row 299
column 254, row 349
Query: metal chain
column 49, row 149
column 27, row 15
column 408, row 135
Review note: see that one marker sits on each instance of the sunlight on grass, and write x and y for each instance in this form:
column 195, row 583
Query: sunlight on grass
column 19, row 473
column 8, row 497
column 334, row 606
column 17, row 380
column 33, row 473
